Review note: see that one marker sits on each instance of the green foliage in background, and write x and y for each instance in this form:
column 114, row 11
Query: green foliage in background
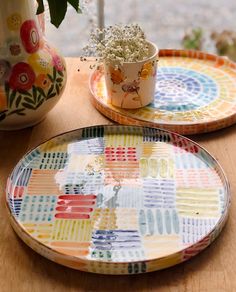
column 224, row 42
column 58, row 9
column 193, row 39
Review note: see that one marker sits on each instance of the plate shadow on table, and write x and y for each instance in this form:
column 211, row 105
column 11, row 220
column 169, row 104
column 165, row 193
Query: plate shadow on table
column 218, row 134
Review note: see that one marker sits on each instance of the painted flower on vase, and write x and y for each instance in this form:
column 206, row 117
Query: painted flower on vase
column 58, row 62
column 117, row 76
column 14, row 21
column 40, row 62
column 43, row 81
column 56, row 59
column 5, row 69
column 22, row 77
column 14, row 47
column 30, row 36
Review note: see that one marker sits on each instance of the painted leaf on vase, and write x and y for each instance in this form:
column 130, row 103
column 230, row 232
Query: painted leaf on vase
column 19, row 111
column 18, row 100
column 3, row 115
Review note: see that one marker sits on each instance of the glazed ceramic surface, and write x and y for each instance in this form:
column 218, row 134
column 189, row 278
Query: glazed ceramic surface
column 118, row 199
column 132, row 85
column 195, row 93
column 32, row 73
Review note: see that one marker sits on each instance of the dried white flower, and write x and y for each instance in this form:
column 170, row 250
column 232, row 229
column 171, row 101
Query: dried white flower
column 118, row 44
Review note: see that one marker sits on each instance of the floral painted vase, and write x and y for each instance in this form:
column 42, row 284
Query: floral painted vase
column 32, row 73
column 131, row 85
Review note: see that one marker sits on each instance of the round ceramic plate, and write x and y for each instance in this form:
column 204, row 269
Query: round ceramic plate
column 195, row 93
column 118, row 199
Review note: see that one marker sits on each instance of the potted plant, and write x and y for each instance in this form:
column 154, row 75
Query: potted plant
column 32, row 72
column 129, row 63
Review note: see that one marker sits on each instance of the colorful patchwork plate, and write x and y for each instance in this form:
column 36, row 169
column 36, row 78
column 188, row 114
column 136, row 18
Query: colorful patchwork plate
column 195, row 93
column 118, row 199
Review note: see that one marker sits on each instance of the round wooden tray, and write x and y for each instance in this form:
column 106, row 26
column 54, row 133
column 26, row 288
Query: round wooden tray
column 195, row 93
column 118, row 199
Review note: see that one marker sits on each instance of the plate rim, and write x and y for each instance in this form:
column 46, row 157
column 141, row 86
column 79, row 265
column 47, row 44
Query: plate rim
column 179, row 127
column 18, row 228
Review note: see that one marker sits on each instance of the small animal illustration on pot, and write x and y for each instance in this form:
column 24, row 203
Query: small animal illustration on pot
column 131, row 88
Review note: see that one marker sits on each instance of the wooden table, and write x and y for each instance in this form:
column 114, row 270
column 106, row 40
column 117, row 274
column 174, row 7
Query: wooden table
column 21, row 269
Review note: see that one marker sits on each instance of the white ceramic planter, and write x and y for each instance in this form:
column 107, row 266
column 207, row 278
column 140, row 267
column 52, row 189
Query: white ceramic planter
column 32, row 73
column 132, row 85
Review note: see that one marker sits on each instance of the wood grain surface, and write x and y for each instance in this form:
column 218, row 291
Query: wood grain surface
column 21, row 269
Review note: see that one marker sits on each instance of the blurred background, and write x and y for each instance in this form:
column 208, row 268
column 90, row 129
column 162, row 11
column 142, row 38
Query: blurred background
column 194, row 24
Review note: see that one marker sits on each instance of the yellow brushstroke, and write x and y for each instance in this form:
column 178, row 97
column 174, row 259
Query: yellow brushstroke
column 143, row 167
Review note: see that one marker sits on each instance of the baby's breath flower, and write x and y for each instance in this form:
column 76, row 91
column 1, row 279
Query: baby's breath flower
column 118, row 44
